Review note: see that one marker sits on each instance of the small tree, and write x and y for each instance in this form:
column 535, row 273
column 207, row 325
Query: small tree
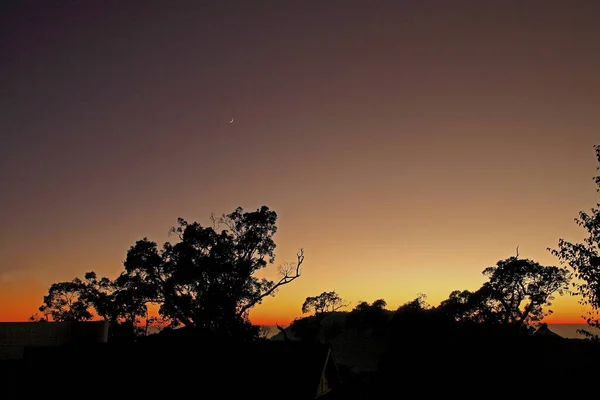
column 325, row 302
column 82, row 300
column 310, row 328
column 583, row 258
column 67, row 301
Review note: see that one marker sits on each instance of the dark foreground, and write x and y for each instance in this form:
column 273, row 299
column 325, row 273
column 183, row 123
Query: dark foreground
column 463, row 365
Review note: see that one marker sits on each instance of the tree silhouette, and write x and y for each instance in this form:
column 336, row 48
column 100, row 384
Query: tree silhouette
column 115, row 303
column 206, row 280
column 310, row 328
column 367, row 317
column 412, row 318
column 520, row 288
column 66, row 301
column 80, row 300
column 467, row 306
column 516, row 293
column 583, row 258
column 325, row 302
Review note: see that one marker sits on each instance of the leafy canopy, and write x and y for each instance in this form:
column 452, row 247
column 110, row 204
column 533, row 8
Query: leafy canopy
column 205, row 280
column 583, row 257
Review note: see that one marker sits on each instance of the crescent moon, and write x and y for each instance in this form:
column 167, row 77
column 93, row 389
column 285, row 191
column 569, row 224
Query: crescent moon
column 231, row 122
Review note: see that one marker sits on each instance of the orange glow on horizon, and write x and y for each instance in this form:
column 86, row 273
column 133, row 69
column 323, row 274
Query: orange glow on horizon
column 401, row 163
column 25, row 297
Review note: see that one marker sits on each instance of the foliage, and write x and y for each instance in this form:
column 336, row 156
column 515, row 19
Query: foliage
column 311, row 328
column 79, row 300
column 467, row 306
column 418, row 304
column 367, row 317
column 325, row 302
column 66, row 301
column 112, row 301
column 412, row 318
column 583, row 258
column 516, row 293
column 520, row 288
column 206, row 280
column 307, row 328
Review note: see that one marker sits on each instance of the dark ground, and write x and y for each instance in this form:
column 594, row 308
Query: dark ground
column 466, row 366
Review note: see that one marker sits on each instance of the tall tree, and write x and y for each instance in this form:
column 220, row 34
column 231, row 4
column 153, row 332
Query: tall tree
column 583, row 257
column 207, row 279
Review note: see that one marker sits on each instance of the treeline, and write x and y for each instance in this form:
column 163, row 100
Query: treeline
column 205, row 281
column 517, row 294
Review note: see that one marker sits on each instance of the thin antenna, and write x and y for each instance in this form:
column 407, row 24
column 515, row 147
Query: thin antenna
column 517, row 256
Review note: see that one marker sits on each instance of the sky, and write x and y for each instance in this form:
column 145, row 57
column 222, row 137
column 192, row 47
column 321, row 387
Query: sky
column 405, row 145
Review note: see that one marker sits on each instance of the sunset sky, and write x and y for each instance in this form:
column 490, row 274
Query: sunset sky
column 405, row 145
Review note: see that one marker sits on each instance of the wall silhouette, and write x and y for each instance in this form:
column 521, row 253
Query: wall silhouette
column 16, row 336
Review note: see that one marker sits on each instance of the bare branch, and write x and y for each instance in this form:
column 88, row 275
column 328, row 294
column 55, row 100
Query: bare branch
column 289, row 274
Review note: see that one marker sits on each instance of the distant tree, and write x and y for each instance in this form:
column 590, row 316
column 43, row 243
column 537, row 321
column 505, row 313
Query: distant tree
column 457, row 305
column 584, row 259
column 367, row 317
column 412, row 318
column 325, row 302
column 467, row 306
column 206, row 281
column 416, row 305
column 81, row 300
column 66, row 301
column 311, row 328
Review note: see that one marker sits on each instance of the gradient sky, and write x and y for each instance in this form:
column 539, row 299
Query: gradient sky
column 405, row 145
